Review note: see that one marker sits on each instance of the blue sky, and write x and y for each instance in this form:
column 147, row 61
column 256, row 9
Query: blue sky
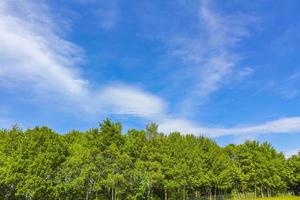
column 229, row 70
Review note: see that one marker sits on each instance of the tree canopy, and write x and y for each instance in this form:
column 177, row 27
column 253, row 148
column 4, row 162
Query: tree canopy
column 104, row 163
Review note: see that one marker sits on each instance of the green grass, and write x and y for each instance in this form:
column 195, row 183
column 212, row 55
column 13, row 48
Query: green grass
column 279, row 198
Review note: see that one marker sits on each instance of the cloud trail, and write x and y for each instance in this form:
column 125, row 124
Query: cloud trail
column 281, row 125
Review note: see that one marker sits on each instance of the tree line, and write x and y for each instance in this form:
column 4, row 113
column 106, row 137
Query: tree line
column 103, row 163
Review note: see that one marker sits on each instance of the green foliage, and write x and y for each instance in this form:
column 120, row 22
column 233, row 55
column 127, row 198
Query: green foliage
column 294, row 175
column 103, row 163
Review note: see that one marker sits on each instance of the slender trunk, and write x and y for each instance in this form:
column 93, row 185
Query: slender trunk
column 210, row 194
column 166, row 194
column 262, row 192
column 112, row 193
column 87, row 195
column 148, row 193
column 243, row 192
column 215, row 191
column 255, row 190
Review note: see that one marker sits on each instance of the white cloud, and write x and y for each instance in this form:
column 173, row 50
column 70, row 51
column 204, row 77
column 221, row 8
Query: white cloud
column 216, row 69
column 35, row 57
column 246, row 71
column 124, row 99
column 224, row 30
column 282, row 125
column 32, row 53
column 208, row 54
column 181, row 125
column 291, row 152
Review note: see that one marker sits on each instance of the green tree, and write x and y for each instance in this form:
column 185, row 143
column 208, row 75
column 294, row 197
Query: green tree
column 294, row 178
column 103, row 163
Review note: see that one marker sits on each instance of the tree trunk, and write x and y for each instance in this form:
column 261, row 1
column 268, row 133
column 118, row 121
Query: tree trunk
column 87, row 195
column 215, row 193
column 255, row 190
column 112, row 194
column 166, row 194
column 262, row 192
column 148, row 193
column 210, row 194
column 269, row 192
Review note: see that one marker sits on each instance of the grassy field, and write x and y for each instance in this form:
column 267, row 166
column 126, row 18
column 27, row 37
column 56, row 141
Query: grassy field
column 279, row 198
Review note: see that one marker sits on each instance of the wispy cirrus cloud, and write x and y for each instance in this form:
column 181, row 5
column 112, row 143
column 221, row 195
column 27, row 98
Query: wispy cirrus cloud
column 36, row 58
column 286, row 88
column 33, row 53
column 281, row 125
column 105, row 12
column 294, row 76
column 209, row 54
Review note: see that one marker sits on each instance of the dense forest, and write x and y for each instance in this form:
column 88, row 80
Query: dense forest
column 104, row 163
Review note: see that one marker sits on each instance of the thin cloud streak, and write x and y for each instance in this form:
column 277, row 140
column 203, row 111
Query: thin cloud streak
column 281, row 125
